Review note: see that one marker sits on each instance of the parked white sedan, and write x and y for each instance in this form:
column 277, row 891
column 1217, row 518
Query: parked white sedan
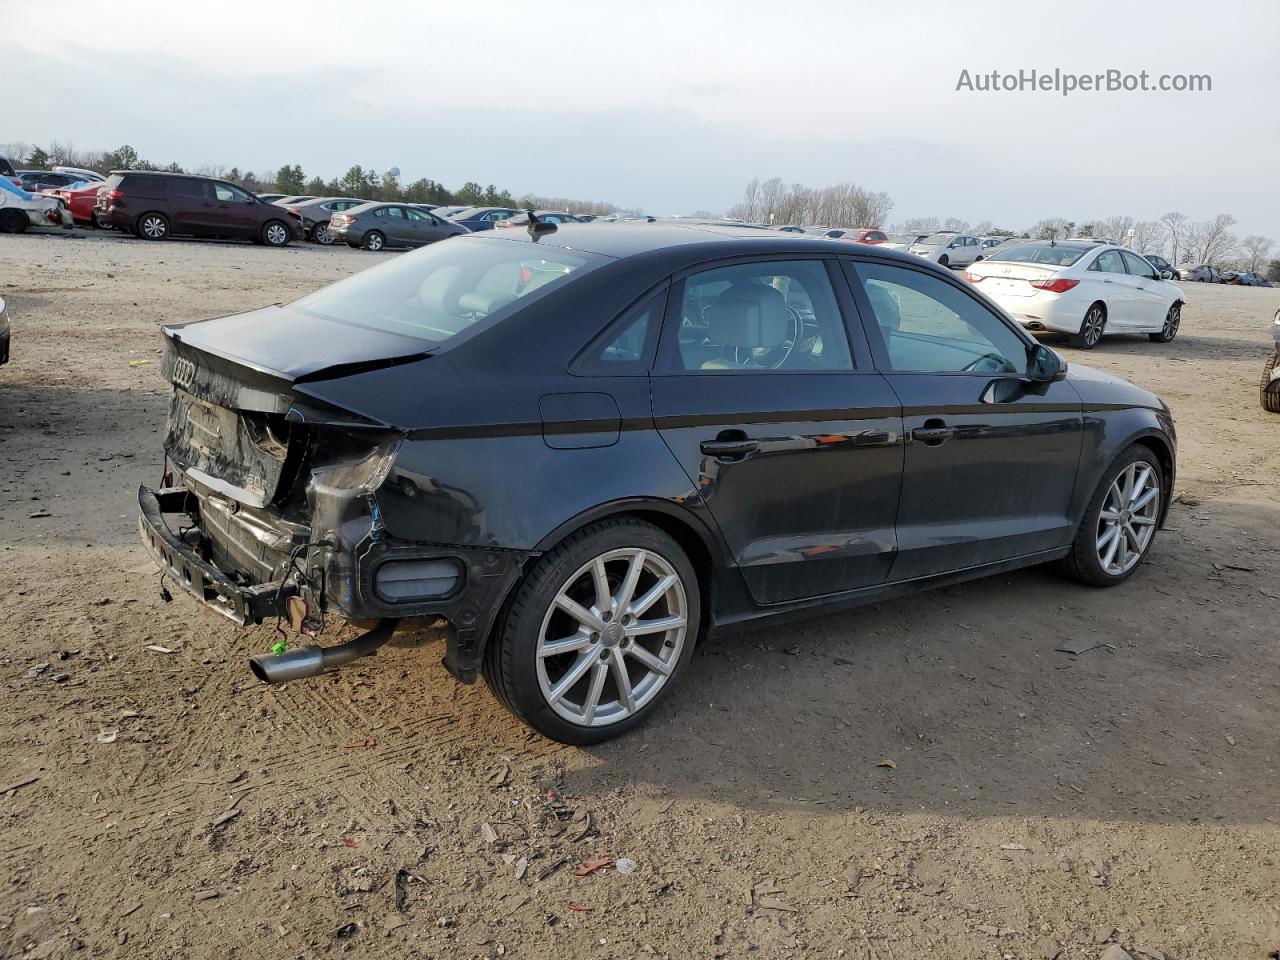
column 1082, row 288
column 949, row 249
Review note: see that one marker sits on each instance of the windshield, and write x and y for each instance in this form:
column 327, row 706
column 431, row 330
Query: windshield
column 437, row 292
column 937, row 239
column 1042, row 252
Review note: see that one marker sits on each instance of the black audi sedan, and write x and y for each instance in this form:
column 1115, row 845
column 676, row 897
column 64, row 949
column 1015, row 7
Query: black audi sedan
column 588, row 449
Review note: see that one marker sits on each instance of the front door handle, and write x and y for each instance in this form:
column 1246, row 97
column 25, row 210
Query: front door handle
column 728, row 449
column 933, row 436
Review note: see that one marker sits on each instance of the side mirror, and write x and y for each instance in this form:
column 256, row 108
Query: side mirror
column 1166, row 274
column 1044, row 365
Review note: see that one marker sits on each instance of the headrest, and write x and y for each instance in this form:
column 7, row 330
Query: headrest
column 885, row 304
column 748, row 315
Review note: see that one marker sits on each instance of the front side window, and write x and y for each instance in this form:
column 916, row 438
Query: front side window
column 418, row 215
column 444, row 288
column 1137, row 266
column 229, row 194
column 930, row 326
column 753, row 317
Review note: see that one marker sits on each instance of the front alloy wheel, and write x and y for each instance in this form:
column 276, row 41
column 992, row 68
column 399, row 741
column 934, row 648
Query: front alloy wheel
column 1120, row 521
column 597, row 633
column 1172, row 320
column 276, row 234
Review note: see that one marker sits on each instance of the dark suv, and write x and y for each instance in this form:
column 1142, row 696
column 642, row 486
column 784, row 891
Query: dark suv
column 155, row 206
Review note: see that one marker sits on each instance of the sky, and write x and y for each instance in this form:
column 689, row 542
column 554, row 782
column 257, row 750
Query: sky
column 671, row 107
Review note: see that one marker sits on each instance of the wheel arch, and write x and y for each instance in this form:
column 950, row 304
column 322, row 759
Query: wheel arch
column 1163, row 451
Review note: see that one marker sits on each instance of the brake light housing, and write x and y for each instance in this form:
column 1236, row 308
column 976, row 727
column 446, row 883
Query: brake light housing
column 973, row 277
column 1059, row 285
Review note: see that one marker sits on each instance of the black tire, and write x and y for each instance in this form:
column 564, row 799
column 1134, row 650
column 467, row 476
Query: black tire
column 1092, row 327
column 1083, row 563
column 1172, row 320
column 276, row 233
column 152, row 226
column 14, row 221
column 944, row 261
column 1270, row 397
column 511, row 657
column 374, row 240
column 320, row 234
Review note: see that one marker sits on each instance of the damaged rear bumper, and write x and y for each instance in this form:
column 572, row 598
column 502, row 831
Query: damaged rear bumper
column 179, row 563
column 350, row 573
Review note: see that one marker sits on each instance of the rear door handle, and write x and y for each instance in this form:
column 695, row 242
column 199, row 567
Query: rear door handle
column 933, row 435
column 726, row 449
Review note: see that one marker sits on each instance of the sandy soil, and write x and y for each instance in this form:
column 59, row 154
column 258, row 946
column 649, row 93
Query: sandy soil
column 1038, row 801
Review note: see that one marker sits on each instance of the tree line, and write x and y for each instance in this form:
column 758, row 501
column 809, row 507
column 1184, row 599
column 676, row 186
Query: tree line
column 292, row 180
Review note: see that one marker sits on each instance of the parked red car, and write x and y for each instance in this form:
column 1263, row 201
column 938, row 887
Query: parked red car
column 859, row 235
column 79, row 200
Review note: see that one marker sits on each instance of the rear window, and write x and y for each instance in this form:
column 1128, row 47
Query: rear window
column 1043, row 252
column 439, row 291
column 6, row 168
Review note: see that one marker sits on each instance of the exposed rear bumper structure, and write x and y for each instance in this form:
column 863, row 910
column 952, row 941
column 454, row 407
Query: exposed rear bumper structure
column 180, row 563
column 486, row 576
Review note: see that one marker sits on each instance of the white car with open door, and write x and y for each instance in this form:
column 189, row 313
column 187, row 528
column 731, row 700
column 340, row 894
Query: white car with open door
column 949, row 249
column 1082, row 288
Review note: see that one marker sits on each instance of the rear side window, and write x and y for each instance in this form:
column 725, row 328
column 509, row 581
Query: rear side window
column 774, row 315
column 1108, row 262
column 189, row 188
column 144, row 184
column 626, row 347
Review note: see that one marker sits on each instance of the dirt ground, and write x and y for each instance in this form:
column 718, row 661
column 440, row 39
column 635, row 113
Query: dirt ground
column 926, row 778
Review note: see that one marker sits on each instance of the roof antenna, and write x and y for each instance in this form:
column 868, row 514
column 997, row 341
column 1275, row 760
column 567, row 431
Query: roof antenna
column 537, row 228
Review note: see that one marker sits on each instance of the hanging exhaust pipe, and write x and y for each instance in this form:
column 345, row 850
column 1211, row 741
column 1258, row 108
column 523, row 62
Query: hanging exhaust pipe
column 310, row 661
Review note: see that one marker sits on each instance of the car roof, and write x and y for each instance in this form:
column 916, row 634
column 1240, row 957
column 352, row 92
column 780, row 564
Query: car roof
column 634, row 238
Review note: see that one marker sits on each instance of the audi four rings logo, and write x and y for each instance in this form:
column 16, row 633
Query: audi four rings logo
column 184, row 371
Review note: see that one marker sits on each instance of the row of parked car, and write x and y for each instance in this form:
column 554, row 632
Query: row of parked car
column 156, row 205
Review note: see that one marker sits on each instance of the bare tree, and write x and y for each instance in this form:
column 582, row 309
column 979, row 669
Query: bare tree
column 918, row 225
column 1211, row 241
column 1054, row 228
column 1175, row 223
column 1113, row 228
column 1256, row 250
column 956, row 224
column 1148, row 236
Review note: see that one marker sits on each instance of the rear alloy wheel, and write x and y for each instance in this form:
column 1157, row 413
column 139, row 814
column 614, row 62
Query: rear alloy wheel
column 373, row 240
column 1170, row 329
column 13, row 221
column 153, row 226
column 1120, row 521
column 597, row 633
column 1091, row 328
column 276, row 234
column 1270, row 392
column 320, row 234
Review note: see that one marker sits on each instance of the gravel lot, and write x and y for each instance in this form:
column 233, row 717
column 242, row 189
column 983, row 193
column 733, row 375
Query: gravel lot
column 1031, row 800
